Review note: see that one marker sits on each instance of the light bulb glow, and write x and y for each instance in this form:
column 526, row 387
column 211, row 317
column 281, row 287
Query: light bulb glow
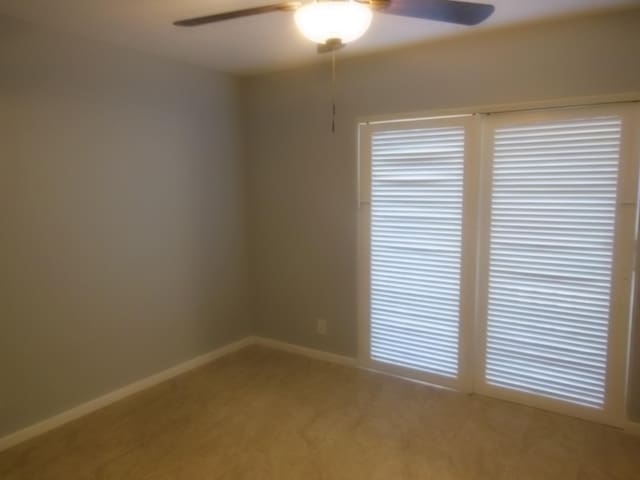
column 332, row 19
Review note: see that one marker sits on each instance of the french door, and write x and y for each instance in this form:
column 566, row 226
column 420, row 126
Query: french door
column 417, row 219
column 494, row 253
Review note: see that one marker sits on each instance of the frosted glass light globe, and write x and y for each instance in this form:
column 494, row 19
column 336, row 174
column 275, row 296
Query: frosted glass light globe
column 332, row 19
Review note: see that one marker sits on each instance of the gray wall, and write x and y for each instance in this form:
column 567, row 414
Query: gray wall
column 122, row 242
column 302, row 181
column 122, row 230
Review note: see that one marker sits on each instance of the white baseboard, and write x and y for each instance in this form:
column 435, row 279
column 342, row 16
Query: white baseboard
column 145, row 383
column 305, row 351
column 91, row 406
column 140, row 385
column 126, row 391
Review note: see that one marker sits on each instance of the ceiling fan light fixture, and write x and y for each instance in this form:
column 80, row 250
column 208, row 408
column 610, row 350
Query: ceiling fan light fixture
column 344, row 20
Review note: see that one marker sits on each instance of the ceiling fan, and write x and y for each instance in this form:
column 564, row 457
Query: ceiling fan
column 333, row 23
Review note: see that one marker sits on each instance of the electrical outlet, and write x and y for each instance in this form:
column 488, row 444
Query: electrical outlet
column 321, row 326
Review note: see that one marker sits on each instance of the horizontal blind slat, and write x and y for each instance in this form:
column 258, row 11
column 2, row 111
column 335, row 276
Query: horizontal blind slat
column 416, row 228
column 553, row 207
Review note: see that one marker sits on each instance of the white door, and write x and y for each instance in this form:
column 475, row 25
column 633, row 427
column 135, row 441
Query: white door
column 415, row 206
column 559, row 187
column 495, row 253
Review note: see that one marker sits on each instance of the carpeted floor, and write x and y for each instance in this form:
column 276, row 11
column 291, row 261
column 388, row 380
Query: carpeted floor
column 262, row 414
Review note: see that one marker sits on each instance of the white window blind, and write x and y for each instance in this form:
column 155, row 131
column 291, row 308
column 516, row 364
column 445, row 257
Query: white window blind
column 415, row 247
column 553, row 210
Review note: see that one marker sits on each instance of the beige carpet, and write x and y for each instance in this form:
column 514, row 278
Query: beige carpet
column 262, row 414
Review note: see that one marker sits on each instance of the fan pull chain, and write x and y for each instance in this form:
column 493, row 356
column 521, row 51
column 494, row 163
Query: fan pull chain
column 333, row 91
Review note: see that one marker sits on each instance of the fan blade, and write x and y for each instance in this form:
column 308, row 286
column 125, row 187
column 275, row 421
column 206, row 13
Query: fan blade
column 463, row 13
column 276, row 7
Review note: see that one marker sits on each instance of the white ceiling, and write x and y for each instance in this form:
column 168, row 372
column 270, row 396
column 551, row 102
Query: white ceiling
column 258, row 43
